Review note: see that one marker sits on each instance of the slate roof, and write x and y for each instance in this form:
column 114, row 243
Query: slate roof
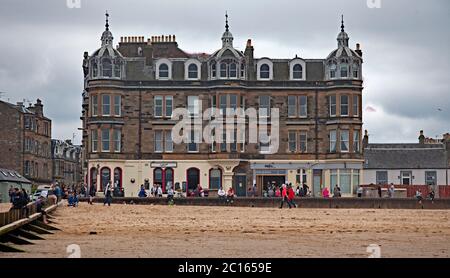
column 12, row 176
column 405, row 156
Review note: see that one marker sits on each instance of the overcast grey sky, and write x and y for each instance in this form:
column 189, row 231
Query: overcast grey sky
column 405, row 45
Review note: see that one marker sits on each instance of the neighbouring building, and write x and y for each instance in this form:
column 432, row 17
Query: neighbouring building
column 418, row 165
column 12, row 179
column 66, row 163
column 132, row 89
column 25, row 141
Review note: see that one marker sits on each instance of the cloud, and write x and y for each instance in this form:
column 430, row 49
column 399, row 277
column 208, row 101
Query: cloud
column 405, row 44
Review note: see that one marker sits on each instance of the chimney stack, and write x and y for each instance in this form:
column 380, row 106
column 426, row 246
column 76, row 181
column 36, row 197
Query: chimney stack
column 358, row 49
column 421, row 138
column 39, row 108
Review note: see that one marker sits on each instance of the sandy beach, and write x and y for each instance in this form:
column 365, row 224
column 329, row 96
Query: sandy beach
column 182, row 231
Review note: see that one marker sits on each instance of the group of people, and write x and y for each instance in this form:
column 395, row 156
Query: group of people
column 227, row 196
column 19, row 200
column 273, row 190
column 287, row 196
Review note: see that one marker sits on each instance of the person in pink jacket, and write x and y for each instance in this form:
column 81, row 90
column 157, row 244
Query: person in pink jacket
column 326, row 193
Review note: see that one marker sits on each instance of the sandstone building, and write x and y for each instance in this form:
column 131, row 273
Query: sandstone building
column 132, row 89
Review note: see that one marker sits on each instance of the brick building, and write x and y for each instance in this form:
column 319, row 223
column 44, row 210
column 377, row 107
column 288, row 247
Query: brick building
column 25, row 141
column 131, row 91
column 66, row 158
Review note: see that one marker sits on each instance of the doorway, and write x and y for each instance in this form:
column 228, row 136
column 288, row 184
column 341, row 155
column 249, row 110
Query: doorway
column 193, row 180
column 317, row 183
column 240, row 185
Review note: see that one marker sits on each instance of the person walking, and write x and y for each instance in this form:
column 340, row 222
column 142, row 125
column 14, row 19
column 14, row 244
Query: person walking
column 108, row 194
column 291, row 196
column 159, row 191
column 379, row 191
column 92, row 192
column 391, row 191
column 359, row 191
column 58, row 193
column 170, row 194
column 284, row 196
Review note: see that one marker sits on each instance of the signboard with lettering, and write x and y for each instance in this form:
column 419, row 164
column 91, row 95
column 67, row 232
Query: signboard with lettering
column 163, row 165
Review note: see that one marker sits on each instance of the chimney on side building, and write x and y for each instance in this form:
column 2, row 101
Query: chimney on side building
column 365, row 139
column 421, row 138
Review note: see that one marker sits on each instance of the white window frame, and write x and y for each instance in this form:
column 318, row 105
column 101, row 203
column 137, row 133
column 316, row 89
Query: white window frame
column 294, row 133
column 342, row 141
column 199, row 69
column 333, row 140
column 94, row 139
column 195, row 106
column 94, row 101
column 165, row 106
column 119, row 105
column 157, row 98
column 300, row 106
column 168, row 142
column 292, row 63
column 302, row 132
column 103, row 105
column 103, row 140
column 342, row 105
column 258, row 69
column 292, row 106
column 332, row 105
column 169, row 65
column 117, row 138
column 356, row 141
column 268, row 108
column 355, row 105
column 161, row 141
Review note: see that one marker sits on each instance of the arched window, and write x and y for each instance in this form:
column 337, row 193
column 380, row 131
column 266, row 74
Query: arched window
column 233, row 70
column 105, row 177
column 344, row 70
column 264, row 72
column 355, row 70
column 118, row 178
column 168, row 181
column 297, row 72
column 94, row 68
column 215, row 178
column 192, row 71
column 93, row 176
column 163, row 71
column 223, row 70
column 193, row 179
column 106, row 67
column 158, row 176
column 333, row 68
column 213, row 70
column 117, row 66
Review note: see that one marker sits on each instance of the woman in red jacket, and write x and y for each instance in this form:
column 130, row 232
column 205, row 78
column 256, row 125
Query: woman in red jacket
column 291, row 195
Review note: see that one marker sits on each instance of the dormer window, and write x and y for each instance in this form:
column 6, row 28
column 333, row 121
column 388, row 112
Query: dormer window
column 163, row 71
column 213, row 70
column 333, row 68
column 94, row 68
column 297, row 72
column 223, row 70
column 106, row 67
column 355, row 69
column 264, row 72
column 344, row 70
column 242, row 70
column 233, row 70
column 192, row 71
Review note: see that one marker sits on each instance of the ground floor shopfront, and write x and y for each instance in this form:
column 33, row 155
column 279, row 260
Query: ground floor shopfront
column 186, row 175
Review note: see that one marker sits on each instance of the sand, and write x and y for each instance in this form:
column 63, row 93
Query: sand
column 182, row 231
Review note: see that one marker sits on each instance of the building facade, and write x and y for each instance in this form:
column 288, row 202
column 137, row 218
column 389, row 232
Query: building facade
column 425, row 163
column 25, row 141
column 132, row 90
column 66, row 163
